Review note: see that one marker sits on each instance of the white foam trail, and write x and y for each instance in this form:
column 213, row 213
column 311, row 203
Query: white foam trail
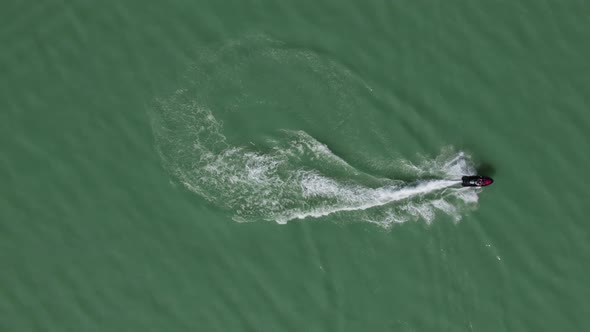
column 374, row 198
column 289, row 182
column 297, row 177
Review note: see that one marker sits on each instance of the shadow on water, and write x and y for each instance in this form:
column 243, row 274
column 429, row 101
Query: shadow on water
column 485, row 168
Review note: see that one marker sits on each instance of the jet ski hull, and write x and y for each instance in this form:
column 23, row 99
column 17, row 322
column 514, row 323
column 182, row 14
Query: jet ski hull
column 476, row 181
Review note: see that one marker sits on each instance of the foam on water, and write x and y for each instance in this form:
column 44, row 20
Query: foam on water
column 292, row 181
column 297, row 176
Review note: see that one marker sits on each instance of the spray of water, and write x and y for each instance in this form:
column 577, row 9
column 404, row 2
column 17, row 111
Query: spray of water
column 297, row 177
column 292, row 181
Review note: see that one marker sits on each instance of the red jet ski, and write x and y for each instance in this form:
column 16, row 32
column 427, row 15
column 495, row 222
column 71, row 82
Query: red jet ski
column 476, row 181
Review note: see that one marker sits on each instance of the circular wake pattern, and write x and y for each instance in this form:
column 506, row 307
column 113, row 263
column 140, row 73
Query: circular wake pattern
column 293, row 176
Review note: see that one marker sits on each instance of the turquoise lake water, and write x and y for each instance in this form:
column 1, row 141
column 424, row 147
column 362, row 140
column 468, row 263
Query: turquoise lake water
column 294, row 165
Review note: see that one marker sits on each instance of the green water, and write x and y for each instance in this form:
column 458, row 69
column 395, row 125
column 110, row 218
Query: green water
column 290, row 166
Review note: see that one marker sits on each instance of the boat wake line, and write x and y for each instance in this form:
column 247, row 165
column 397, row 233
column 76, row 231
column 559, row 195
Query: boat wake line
column 299, row 177
column 290, row 174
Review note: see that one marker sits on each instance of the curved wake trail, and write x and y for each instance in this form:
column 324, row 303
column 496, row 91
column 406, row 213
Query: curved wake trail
column 294, row 176
column 292, row 181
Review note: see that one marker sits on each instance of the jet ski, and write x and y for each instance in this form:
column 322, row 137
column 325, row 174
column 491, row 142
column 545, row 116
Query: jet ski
column 476, row 181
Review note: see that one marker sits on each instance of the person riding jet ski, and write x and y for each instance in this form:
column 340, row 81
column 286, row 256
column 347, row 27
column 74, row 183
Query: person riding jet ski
column 476, row 181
